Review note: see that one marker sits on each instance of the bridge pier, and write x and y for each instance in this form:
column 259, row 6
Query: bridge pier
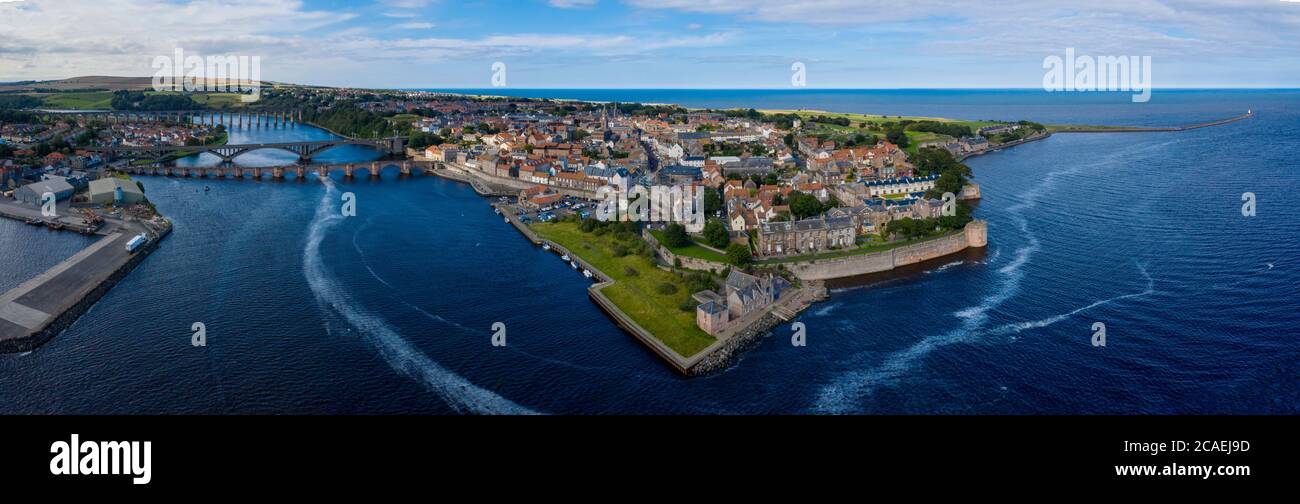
column 323, row 172
column 300, row 172
column 406, row 167
column 374, row 170
column 277, row 172
column 347, row 170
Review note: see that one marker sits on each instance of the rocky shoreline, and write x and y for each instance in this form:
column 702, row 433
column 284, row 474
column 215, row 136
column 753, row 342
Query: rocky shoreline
column 725, row 355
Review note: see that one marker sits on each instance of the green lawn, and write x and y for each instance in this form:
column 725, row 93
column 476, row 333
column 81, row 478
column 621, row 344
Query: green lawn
column 80, row 101
column 692, row 250
column 879, row 119
column 219, row 100
column 635, row 295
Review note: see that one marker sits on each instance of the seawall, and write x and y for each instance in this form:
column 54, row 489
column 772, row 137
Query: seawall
column 974, row 235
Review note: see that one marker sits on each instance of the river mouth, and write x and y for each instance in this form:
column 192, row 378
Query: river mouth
column 1141, row 231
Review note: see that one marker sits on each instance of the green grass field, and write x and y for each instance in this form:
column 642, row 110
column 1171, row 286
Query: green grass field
column 219, row 100
column 692, row 250
column 103, row 100
column 94, row 100
column 635, row 295
column 915, row 138
column 879, row 119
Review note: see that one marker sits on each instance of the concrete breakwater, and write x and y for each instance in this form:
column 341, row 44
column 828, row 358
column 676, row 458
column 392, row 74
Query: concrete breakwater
column 1155, row 129
column 34, row 312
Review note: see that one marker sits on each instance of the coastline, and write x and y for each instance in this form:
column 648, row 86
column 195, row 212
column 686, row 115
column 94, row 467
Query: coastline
column 85, row 292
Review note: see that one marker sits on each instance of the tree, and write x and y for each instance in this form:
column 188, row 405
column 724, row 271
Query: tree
column 804, row 205
column 712, row 202
column 675, row 236
column 897, row 136
column 949, row 182
column 930, row 161
column 905, row 227
column 715, row 233
column 738, row 254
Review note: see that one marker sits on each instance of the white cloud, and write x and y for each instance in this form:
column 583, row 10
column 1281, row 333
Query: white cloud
column 47, row 39
column 1033, row 26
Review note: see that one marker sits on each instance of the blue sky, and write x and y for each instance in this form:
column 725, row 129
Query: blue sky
column 659, row 43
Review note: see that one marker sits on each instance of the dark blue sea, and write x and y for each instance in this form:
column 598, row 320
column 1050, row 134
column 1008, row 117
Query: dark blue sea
column 391, row 311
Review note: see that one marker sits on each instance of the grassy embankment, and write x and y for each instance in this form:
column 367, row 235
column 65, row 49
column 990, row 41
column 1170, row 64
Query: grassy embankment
column 636, row 295
column 693, row 250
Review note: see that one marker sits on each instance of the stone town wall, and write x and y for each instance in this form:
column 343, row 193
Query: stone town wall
column 975, row 235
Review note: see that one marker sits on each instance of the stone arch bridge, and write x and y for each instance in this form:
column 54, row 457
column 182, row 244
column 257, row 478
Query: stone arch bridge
column 306, row 150
column 299, row 172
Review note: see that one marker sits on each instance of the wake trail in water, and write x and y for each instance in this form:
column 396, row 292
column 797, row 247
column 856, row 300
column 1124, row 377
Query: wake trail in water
column 842, row 393
column 403, row 357
column 462, row 327
column 1038, row 324
column 362, row 255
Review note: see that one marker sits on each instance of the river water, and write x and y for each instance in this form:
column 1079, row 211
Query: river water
column 391, row 311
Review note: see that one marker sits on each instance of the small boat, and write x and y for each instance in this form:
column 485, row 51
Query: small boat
column 497, row 210
column 574, row 265
column 586, row 273
column 564, row 257
column 506, row 220
column 546, row 246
